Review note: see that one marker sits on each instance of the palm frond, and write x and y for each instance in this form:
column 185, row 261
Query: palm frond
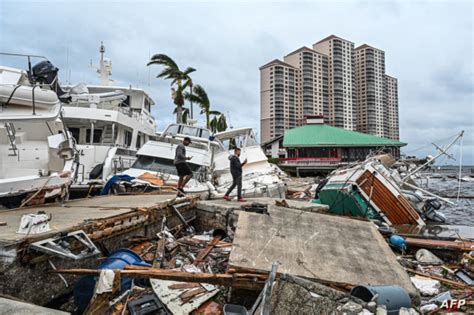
column 188, row 70
column 162, row 59
column 214, row 112
column 166, row 73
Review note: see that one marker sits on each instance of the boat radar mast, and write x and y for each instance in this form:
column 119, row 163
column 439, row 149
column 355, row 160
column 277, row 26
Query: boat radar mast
column 105, row 67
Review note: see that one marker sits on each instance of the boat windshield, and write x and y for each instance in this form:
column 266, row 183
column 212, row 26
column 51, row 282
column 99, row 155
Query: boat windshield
column 186, row 130
column 156, row 164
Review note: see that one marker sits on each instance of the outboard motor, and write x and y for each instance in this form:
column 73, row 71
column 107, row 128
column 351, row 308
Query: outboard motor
column 45, row 72
column 431, row 207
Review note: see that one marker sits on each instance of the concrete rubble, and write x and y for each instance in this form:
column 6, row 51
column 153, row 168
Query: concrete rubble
column 192, row 256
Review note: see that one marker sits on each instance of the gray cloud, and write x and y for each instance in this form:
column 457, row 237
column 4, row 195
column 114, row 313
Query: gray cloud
column 428, row 48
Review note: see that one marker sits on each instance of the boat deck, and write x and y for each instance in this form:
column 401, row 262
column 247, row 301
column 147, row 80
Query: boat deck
column 73, row 213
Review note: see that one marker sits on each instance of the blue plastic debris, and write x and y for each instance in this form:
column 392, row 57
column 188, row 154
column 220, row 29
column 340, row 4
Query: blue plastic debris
column 397, row 242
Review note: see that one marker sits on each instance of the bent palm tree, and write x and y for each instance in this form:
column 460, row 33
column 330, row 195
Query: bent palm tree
column 200, row 97
column 180, row 80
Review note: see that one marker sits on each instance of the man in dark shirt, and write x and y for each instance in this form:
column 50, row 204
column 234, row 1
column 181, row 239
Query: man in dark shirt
column 180, row 161
column 236, row 171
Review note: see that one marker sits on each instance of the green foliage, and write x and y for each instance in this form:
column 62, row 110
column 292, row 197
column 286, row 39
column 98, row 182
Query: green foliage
column 180, row 80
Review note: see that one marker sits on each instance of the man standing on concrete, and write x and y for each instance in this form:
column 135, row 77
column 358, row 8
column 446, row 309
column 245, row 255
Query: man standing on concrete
column 236, row 171
column 180, row 161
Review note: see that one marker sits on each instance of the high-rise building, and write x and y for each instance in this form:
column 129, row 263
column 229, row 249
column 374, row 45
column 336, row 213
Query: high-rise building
column 313, row 81
column 279, row 99
column 371, row 109
column 347, row 85
column 342, row 91
column 391, row 92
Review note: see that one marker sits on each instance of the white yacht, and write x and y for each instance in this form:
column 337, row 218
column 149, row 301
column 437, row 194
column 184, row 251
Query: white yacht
column 37, row 155
column 156, row 157
column 110, row 123
column 210, row 162
column 260, row 178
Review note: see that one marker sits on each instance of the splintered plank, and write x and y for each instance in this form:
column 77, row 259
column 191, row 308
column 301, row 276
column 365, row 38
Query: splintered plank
column 316, row 246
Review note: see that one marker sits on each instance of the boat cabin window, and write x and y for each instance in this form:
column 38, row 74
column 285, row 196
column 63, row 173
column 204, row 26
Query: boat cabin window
column 126, row 102
column 128, row 138
column 157, row 164
column 147, row 104
column 189, row 131
column 173, row 129
column 75, row 133
column 139, row 141
column 97, row 136
column 205, row 134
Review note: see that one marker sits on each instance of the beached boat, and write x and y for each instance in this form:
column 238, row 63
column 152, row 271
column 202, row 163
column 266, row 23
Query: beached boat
column 110, row 123
column 37, row 155
column 210, row 162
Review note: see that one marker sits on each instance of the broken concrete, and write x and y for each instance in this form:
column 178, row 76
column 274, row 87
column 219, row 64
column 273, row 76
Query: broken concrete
column 316, row 246
column 8, row 306
column 224, row 206
column 293, row 295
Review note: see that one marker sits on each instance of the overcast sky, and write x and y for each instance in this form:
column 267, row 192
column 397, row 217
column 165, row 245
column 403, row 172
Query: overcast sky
column 428, row 46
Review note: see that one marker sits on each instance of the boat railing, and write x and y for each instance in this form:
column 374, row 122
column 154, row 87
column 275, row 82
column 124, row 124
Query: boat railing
column 121, row 163
column 310, row 161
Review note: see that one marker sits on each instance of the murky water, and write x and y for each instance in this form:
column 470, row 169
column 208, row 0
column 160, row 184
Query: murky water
column 463, row 211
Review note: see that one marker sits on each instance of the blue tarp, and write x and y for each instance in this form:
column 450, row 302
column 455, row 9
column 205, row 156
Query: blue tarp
column 113, row 180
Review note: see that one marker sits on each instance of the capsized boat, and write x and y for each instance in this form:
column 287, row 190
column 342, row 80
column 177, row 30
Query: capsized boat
column 38, row 159
column 373, row 190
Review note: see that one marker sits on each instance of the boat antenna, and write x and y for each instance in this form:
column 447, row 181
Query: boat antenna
column 460, row 169
column 442, row 151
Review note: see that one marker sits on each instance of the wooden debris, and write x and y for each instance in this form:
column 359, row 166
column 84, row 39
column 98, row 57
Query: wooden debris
column 241, row 281
column 160, row 253
column 184, row 285
column 460, row 245
column 440, row 279
column 190, row 294
column 2, row 223
column 202, row 254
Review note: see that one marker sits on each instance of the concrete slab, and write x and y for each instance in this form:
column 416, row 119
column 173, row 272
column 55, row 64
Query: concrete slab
column 8, row 306
column 316, row 246
column 223, row 206
column 75, row 212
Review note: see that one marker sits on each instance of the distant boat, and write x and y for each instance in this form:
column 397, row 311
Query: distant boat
column 467, row 179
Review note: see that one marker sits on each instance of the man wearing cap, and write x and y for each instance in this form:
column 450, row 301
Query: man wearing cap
column 236, row 171
column 180, row 161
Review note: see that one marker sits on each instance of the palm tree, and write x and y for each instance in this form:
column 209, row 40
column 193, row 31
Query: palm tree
column 184, row 114
column 200, row 97
column 180, row 80
column 218, row 123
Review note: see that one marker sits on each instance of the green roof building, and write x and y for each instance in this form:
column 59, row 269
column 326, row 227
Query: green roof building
column 316, row 147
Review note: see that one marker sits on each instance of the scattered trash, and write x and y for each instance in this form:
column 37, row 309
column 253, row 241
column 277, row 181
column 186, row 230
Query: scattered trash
column 464, row 276
column 397, row 242
column 231, row 309
column 425, row 257
column 441, row 297
column 393, row 297
column 74, row 245
column 148, row 304
column 426, row 286
column 34, row 223
column 428, row 308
